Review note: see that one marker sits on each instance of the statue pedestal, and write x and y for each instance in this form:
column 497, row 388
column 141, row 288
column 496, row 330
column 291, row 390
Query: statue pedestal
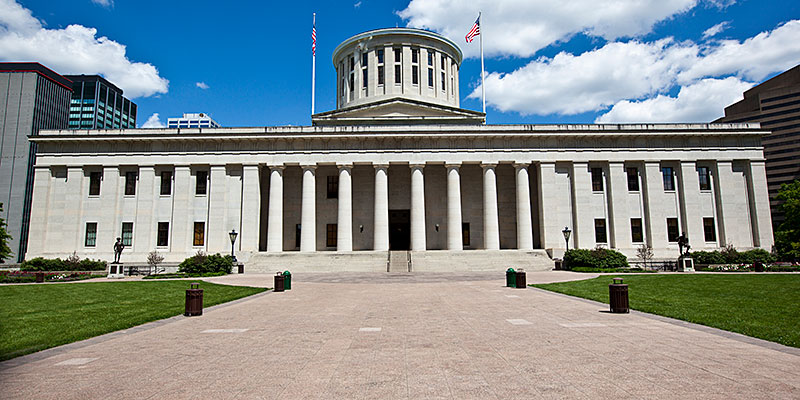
column 685, row 264
column 116, row 271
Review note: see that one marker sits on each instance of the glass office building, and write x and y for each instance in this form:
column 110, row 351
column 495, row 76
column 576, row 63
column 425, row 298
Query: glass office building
column 98, row 104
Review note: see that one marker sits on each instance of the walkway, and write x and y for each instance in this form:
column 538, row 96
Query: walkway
column 408, row 336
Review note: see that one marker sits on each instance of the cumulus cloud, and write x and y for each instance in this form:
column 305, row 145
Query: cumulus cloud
column 154, row 122
column 202, row 85
column 699, row 102
column 104, row 3
column 522, row 27
column 714, row 30
column 75, row 49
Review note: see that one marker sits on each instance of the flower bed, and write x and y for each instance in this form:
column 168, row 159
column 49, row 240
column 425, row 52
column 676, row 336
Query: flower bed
column 28, row 276
column 748, row 268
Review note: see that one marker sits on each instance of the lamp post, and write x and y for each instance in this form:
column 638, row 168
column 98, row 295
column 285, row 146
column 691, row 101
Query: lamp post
column 566, row 233
column 233, row 234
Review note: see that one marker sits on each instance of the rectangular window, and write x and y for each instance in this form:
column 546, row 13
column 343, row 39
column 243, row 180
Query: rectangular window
column 333, row 187
column 166, row 183
column 430, row 58
column 352, row 81
column 600, row 231
column 414, row 56
column 444, row 61
column 91, row 234
column 127, row 233
column 199, row 234
column 636, row 230
column 672, row 229
column 398, row 77
column 633, row 179
column 364, row 77
column 297, row 229
column 202, row 182
column 379, row 53
column 709, row 230
column 163, row 234
column 464, row 231
column 597, row 179
column 380, row 75
column 130, row 183
column 704, row 175
column 330, row 235
column 352, row 63
column 430, row 77
column 398, row 55
column 94, row 183
column 444, row 81
column 668, row 177
column 364, row 60
column 415, row 75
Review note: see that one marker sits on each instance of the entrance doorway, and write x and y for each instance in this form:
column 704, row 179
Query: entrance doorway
column 399, row 229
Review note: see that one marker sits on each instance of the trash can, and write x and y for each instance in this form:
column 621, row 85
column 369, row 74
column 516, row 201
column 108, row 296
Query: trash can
column 758, row 266
column 511, row 278
column 618, row 296
column 194, row 300
column 559, row 264
column 39, row 277
column 520, row 279
column 279, row 282
column 241, row 268
column 287, row 280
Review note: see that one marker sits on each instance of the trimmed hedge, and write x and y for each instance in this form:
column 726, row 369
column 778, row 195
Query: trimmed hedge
column 597, row 258
column 731, row 256
column 201, row 263
column 57, row 264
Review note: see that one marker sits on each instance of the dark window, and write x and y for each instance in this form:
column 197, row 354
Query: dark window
column 199, row 234
column 709, row 230
column 668, row 178
column 633, row 179
column 430, row 58
column 380, row 56
column 130, row 183
column 333, row 187
column 415, row 74
column 398, row 55
column 464, row 231
column 430, row 77
column 600, row 231
column 415, row 55
column 397, row 74
column 597, row 179
column 704, row 175
column 163, row 234
column 330, row 240
column 352, row 82
column 91, row 234
column 364, row 76
column 127, row 233
column 202, row 182
column 672, row 229
column 444, row 81
column 636, row 230
column 297, row 229
column 444, row 60
column 364, row 60
column 380, row 75
column 94, row 183
column 166, row 183
column 352, row 63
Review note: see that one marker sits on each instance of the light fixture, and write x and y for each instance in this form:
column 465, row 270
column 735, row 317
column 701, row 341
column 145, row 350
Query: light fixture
column 233, row 234
column 437, row 227
column 566, row 233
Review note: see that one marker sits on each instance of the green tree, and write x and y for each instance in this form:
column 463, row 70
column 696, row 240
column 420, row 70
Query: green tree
column 787, row 236
column 5, row 251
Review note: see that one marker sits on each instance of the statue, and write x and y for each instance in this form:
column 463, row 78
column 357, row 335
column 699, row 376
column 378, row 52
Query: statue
column 118, row 247
column 683, row 242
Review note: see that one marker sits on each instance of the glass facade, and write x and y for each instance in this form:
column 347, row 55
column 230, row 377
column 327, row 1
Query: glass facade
column 97, row 104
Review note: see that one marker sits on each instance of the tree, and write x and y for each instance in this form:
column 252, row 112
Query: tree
column 645, row 253
column 5, row 251
column 787, row 236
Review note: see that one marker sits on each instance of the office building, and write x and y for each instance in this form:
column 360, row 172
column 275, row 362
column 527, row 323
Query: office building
column 99, row 104
column 193, row 120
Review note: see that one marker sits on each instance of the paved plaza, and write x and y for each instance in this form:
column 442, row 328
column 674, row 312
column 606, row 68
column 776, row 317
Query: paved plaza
column 387, row 336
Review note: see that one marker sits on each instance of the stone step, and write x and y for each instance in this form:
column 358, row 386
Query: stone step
column 399, row 261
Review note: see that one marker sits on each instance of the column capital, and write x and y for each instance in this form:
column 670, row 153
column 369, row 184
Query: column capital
column 276, row 167
column 518, row 165
column 344, row 166
column 311, row 167
column 380, row 166
column 416, row 165
column 488, row 165
column 250, row 165
column 452, row 165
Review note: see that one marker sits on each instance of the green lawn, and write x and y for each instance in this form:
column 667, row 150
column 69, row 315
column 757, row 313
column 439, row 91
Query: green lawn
column 37, row 317
column 765, row 306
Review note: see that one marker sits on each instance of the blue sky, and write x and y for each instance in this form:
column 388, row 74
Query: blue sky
column 578, row 61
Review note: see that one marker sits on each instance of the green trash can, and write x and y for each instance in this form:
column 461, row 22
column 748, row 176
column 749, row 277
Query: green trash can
column 287, row 280
column 511, row 277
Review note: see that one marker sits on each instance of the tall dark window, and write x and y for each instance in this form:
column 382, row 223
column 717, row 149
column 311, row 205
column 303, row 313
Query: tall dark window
column 333, row 187
column 415, row 74
column 597, row 179
column 379, row 53
column 636, row 230
column 464, row 231
column 91, row 234
column 330, row 235
column 430, row 77
column 414, row 55
column 704, row 175
column 364, row 77
column 709, row 230
column 202, row 182
column 130, row 183
column 398, row 74
column 127, row 233
column 430, row 58
column 380, row 75
column 199, row 234
column 672, row 229
column 600, row 231
column 163, row 234
column 364, row 60
column 668, row 177
column 633, row 179
column 297, row 230
column 444, row 81
column 166, row 183
column 94, row 183
column 398, row 55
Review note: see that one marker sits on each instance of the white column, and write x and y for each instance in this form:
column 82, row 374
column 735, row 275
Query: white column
column 275, row 223
column 617, row 200
column 182, row 196
column 583, row 232
column 762, row 217
column 344, row 224
column 418, row 242
column 491, row 226
column 454, row 238
column 689, row 196
column 308, row 214
column 42, row 189
column 655, row 218
column 72, row 209
column 144, row 226
column 381, row 238
column 524, row 226
column 251, row 209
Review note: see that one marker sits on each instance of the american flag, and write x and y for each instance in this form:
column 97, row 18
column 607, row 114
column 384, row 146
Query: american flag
column 474, row 31
column 314, row 40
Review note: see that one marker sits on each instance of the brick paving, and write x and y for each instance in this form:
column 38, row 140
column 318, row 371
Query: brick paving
column 388, row 336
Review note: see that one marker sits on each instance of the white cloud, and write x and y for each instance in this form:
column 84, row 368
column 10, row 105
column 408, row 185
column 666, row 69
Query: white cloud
column 75, row 49
column 699, row 102
column 357, row 4
column 202, row 85
column 153, row 122
column 522, row 27
column 104, row 3
column 714, row 30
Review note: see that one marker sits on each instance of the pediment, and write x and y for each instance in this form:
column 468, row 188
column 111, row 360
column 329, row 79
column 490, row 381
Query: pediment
column 398, row 110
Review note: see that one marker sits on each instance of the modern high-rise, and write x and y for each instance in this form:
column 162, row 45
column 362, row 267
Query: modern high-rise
column 193, row 120
column 99, row 104
column 32, row 97
column 774, row 103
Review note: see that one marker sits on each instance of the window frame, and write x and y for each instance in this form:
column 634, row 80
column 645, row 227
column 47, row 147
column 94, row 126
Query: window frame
column 127, row 239
column 598, row 234
column 167, row 185
column 597, row 179
column 668, row 178
column 633, row 178
column 86, row 237
column 465, row 234
column 673, row 238
column 130, row 182
column 159, row 232
column 332, row 187
column 712, row 232
column 95, row 179
column 199, row 236
column 704, row 174
column 201, row 183
column 331, row 235
column 637, row 231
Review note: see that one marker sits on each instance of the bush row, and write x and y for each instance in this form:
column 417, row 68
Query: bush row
column 732, row 256
column 596, row 258
column 202, row 263
column 57, row 264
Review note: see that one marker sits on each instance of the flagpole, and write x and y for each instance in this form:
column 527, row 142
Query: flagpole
column 483, row 87
column 313, row 66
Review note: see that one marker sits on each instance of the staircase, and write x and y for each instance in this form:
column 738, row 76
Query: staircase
column 399, row 261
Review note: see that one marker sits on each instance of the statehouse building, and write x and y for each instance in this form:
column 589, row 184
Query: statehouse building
column 398, row 175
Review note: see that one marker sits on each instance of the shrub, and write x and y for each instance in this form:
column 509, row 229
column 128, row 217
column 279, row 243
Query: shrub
column 153, row 259
column 708, row 257
column 57, row 264
column 729, row 255
column 92, row 265
column 201, row 263
column 597, row 258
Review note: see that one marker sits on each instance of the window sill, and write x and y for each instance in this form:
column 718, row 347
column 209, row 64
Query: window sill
column 94, row 196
